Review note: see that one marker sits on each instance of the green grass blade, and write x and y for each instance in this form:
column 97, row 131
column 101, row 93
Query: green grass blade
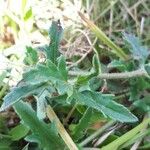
column 126, row 137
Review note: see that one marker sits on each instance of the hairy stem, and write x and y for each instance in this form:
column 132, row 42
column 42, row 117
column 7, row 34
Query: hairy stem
column 123, row 75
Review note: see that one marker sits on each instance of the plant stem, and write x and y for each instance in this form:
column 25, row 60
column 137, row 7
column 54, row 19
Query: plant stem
column 63, row 133
column 124, row 138
column 69, row 115
column 123, row 75
column 95, row 134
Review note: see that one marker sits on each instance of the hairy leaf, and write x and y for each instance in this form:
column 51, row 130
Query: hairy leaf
column 106, row 105
column 143, row 104
column 47, row 136
column 64, row 87
column 31, row 56
column 61, row 99
column 41, row 104
column 138, row 51
column 117, row 64
column 20, row 92
column 62, row 67
column 78, row 132
column 95, row 83
column 55, row 33
column 43, row 73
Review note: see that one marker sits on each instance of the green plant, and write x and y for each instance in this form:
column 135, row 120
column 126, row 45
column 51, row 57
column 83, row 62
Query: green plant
column 54, row 89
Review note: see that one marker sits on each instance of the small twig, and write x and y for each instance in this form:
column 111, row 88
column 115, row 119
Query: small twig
column 111, row 19
column 123, row 75
column 137, row 4
column 104, row 87
column 69, row 115
column 129, row 12
column 142, row 25
column 106, row 10
column 99, row 131
column 89, row 51
column 63, row 133
column 103, row 138
column 106, row 135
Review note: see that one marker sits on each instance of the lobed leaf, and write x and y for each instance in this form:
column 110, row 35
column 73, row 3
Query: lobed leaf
column 55, row 33
column 84, row 122
column 106, row 105
column 44, row 134
column 44, row 73
column 117, row 64
column 41, row 104
column 62, row 67
column 21, row 92
column 138, row 51
column 31, row 56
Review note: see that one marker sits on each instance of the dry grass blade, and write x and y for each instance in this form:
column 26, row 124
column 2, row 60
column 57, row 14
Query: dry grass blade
column 103, row 138
column 102, row 36
column 63, row 133
column 96, row 133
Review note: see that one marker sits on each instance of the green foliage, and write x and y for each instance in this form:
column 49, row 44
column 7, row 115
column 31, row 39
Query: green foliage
column 147, row 68
column 127, row 136
column 83, row 124
column 5, row 143
column 55, row 33
column 105, row 104
column 45, row 72
column 96, row 65
column 2, row 77
column 45, row 135
column 21, row 92
column 117, row 64
column 49, row 82
column 41, row 103
column 143, row 104
column 31, row 56
column 18, row 132
column 103, row 37
column 28, row 14
column 62, row 67
column 138, row 51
